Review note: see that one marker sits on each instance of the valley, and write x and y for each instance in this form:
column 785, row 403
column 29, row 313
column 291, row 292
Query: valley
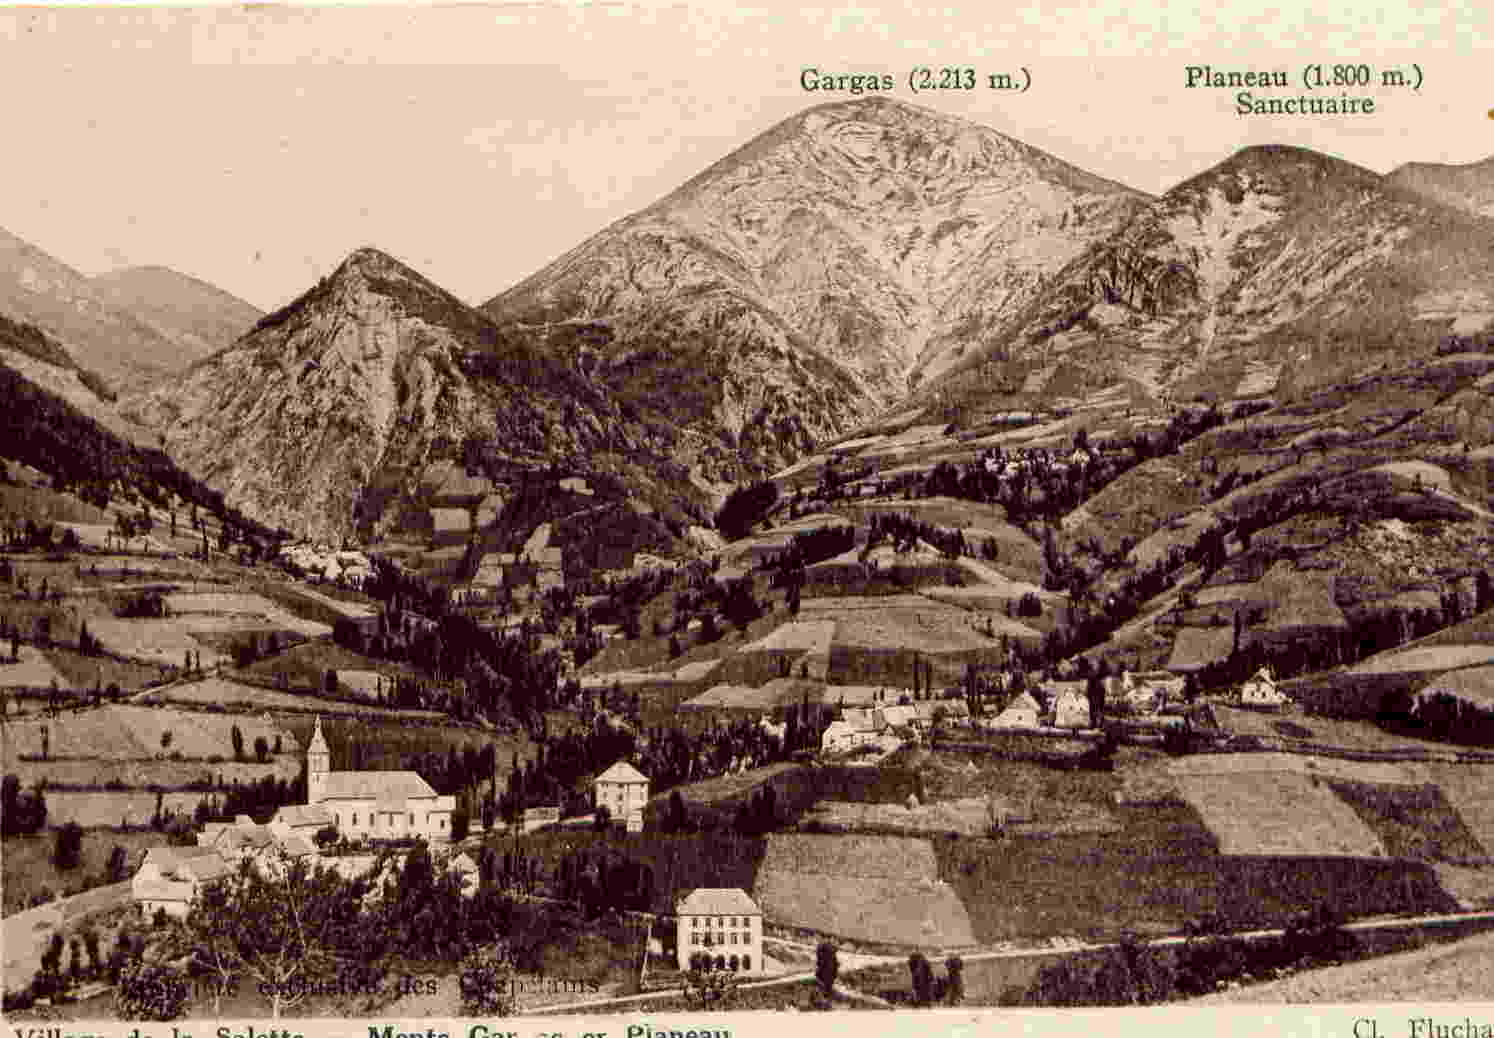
column 919, row 546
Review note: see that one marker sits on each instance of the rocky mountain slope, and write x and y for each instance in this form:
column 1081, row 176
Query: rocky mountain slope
column 1469, row 187
column 198, row 316
column 822, row 268
column 123, row 347
column 326, row 416
column 1274, row 272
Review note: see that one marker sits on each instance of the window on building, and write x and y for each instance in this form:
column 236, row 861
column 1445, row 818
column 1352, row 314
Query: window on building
column 733, row 937
column 412, row 817
column 355, row 817
column 746, row 962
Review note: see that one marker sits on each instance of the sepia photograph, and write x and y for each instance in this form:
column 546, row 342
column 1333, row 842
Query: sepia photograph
column 666, row 515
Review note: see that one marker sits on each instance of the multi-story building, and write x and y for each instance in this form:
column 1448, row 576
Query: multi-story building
column 623, row 790
column 722, row 925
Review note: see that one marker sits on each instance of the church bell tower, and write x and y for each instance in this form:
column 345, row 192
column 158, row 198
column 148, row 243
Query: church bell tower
column 318, row 763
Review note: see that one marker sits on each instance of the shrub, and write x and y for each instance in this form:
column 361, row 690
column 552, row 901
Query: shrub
column 150, row 991
column 826, row 967
column 485, row 980
column 69, row 849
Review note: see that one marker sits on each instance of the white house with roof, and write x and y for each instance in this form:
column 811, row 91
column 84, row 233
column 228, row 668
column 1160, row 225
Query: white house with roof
column 901, row 716
column 722, row 923
column 623, row 790
column 381, row 805
column 1261, row 691
column 844, row 736
column 1021, row 712
column 170, row 879
column 1071, row 709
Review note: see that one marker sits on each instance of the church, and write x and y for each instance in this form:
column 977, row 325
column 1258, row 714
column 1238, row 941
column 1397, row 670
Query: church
column 378, row 805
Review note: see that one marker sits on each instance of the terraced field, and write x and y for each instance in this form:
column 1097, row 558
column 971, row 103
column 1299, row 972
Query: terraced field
column 869, row 888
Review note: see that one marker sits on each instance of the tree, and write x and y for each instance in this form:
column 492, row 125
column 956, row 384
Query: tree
column 678, row 819
column 277, row 926
column 826, row 967
column 922, row 975
column 461, row 823
column 150, row 991
column 118, row 867
column 326, row 836
column 262, row 748
column 69, row 849
column 485, row 978
column 1094, row 691
column 955, row 991
column 603, row 818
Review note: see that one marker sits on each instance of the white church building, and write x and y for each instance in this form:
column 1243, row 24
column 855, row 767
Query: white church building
column 380, row 805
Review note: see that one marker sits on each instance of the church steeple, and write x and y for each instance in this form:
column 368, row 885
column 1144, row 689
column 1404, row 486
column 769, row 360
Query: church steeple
column 318, row 763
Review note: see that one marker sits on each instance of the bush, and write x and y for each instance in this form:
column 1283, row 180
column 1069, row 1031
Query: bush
column 150, row 991
column 485, row 980
column 826, row 967
column 69, row 849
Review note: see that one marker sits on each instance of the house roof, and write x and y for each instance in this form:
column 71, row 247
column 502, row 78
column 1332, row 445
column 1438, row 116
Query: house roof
column 205, row 867
column 304, row 814
column 1023, row 702
column 167, row 858
column 839, row 729
column 202, row 862
column 717, row 901
column 297, row 845
column 898, row 715
column 951, row 708
column 244, row 837
column 375, row 785
column 622, row 772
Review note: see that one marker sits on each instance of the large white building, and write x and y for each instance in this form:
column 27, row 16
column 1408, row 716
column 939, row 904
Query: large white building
column 623, row 790
column 723, row 924
column 381, row 805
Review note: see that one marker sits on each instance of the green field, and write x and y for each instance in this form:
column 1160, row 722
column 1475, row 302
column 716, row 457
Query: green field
column 28, row 869
column 1162, row 870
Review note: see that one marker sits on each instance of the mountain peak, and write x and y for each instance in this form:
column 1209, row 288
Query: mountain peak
column 369, row 260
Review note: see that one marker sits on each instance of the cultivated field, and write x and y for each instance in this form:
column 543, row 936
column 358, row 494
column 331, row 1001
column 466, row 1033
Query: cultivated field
column 880, row 889
column 231, row 609
column 33, row 670
column 1426, row 658
column 28, row 869
column 1279, row 814
column 884, row 857
column 143, row 774
column 98, row 809
column 127, row 732
column 920, row 913
column 165, row 642
column 228, row 693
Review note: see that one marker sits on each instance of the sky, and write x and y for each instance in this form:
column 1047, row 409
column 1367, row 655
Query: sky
column 255, row 147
